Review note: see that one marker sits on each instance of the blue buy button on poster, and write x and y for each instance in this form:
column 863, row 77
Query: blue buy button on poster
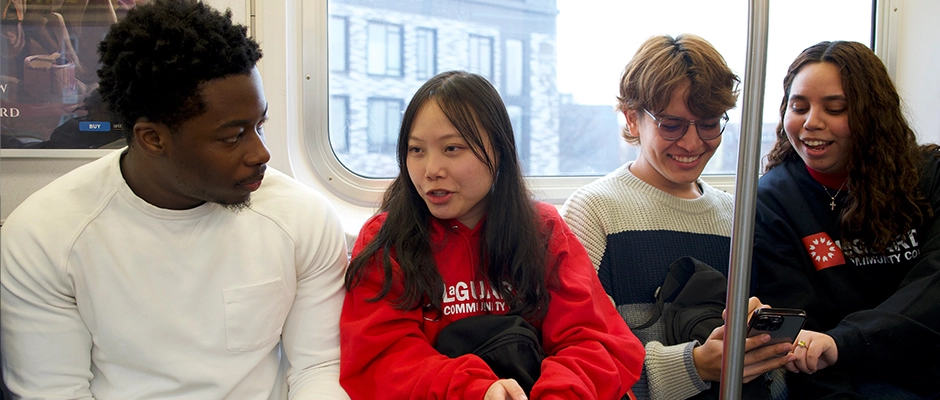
column 94, row 126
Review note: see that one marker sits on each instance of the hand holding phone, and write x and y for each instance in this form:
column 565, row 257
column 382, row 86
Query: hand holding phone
column 782, row 324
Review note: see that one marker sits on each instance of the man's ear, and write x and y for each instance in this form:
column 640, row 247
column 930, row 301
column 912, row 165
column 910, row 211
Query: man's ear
column 633, row 118
column 151, row 137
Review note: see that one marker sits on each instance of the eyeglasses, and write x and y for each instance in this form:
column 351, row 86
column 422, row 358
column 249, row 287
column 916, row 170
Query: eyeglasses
column 674, row 128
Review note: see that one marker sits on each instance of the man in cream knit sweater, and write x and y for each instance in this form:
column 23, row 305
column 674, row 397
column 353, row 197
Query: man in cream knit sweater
column 637, row 220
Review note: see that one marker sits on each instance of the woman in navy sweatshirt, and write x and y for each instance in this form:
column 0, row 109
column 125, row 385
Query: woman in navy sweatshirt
column 847, row 230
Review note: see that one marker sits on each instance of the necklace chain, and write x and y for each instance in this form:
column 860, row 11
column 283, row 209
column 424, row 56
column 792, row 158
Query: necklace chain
column 832, row 204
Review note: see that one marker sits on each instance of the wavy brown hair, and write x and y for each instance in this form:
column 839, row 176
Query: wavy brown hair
column 884, row 159
column 514, row 243
column 662, row 63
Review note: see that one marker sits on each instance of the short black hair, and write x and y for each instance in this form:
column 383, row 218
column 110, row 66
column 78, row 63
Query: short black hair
column 154, row 61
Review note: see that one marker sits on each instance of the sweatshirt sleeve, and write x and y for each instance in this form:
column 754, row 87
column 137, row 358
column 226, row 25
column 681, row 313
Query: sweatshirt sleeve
column 591, row 352
column 310, row 335
column 46, row 345
column 387, row 355
column 870, row 341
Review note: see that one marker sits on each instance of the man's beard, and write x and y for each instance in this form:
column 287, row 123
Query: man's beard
column 237, row 207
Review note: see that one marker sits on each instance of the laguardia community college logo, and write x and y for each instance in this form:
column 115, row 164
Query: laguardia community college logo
column 472, row 298
column 826, row 252
column 823, row 251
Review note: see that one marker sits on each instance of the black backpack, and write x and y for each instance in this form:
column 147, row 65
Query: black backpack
column 509, row 344
column 697, row 294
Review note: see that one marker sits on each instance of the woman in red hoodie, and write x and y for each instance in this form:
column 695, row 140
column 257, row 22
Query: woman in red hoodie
column 458, row 235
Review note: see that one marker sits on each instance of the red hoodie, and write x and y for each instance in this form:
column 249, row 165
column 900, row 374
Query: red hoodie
column 389, row 353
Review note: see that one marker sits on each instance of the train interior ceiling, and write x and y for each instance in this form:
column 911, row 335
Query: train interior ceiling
column 338, row 73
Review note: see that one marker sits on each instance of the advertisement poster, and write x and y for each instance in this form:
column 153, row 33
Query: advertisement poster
column 48, row 79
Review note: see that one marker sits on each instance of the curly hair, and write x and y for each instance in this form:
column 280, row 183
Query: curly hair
column 514, row 243
column 662, row 63
column 154, row 61
column 884, row 159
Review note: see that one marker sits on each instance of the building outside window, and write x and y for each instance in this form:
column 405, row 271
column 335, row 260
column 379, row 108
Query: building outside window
column 339, row 62
column 555, row 65
column 384, row 121
column 515, row 67
column 518, row 130
column 429, row 40
column 425, row 53
column 339, row 123
column 481, row 56
column 385, row 49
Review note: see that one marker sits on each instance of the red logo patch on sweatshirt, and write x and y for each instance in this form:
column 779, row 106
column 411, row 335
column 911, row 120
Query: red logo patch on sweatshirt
column 823, row 251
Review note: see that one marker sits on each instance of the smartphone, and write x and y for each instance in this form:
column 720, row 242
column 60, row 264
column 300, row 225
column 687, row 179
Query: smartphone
column 783, row 324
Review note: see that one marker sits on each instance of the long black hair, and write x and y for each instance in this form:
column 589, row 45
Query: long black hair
column 513, row 251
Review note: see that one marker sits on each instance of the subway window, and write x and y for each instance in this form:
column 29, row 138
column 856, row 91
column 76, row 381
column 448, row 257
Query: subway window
column 557, row 64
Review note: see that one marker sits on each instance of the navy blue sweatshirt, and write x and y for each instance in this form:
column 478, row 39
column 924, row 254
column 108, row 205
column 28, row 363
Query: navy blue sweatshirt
column 881, row 308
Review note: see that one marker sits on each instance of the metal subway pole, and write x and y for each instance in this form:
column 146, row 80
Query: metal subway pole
column 745, row 204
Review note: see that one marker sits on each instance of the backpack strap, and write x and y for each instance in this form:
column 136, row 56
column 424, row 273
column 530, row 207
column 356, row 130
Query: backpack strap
column 669, row 287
